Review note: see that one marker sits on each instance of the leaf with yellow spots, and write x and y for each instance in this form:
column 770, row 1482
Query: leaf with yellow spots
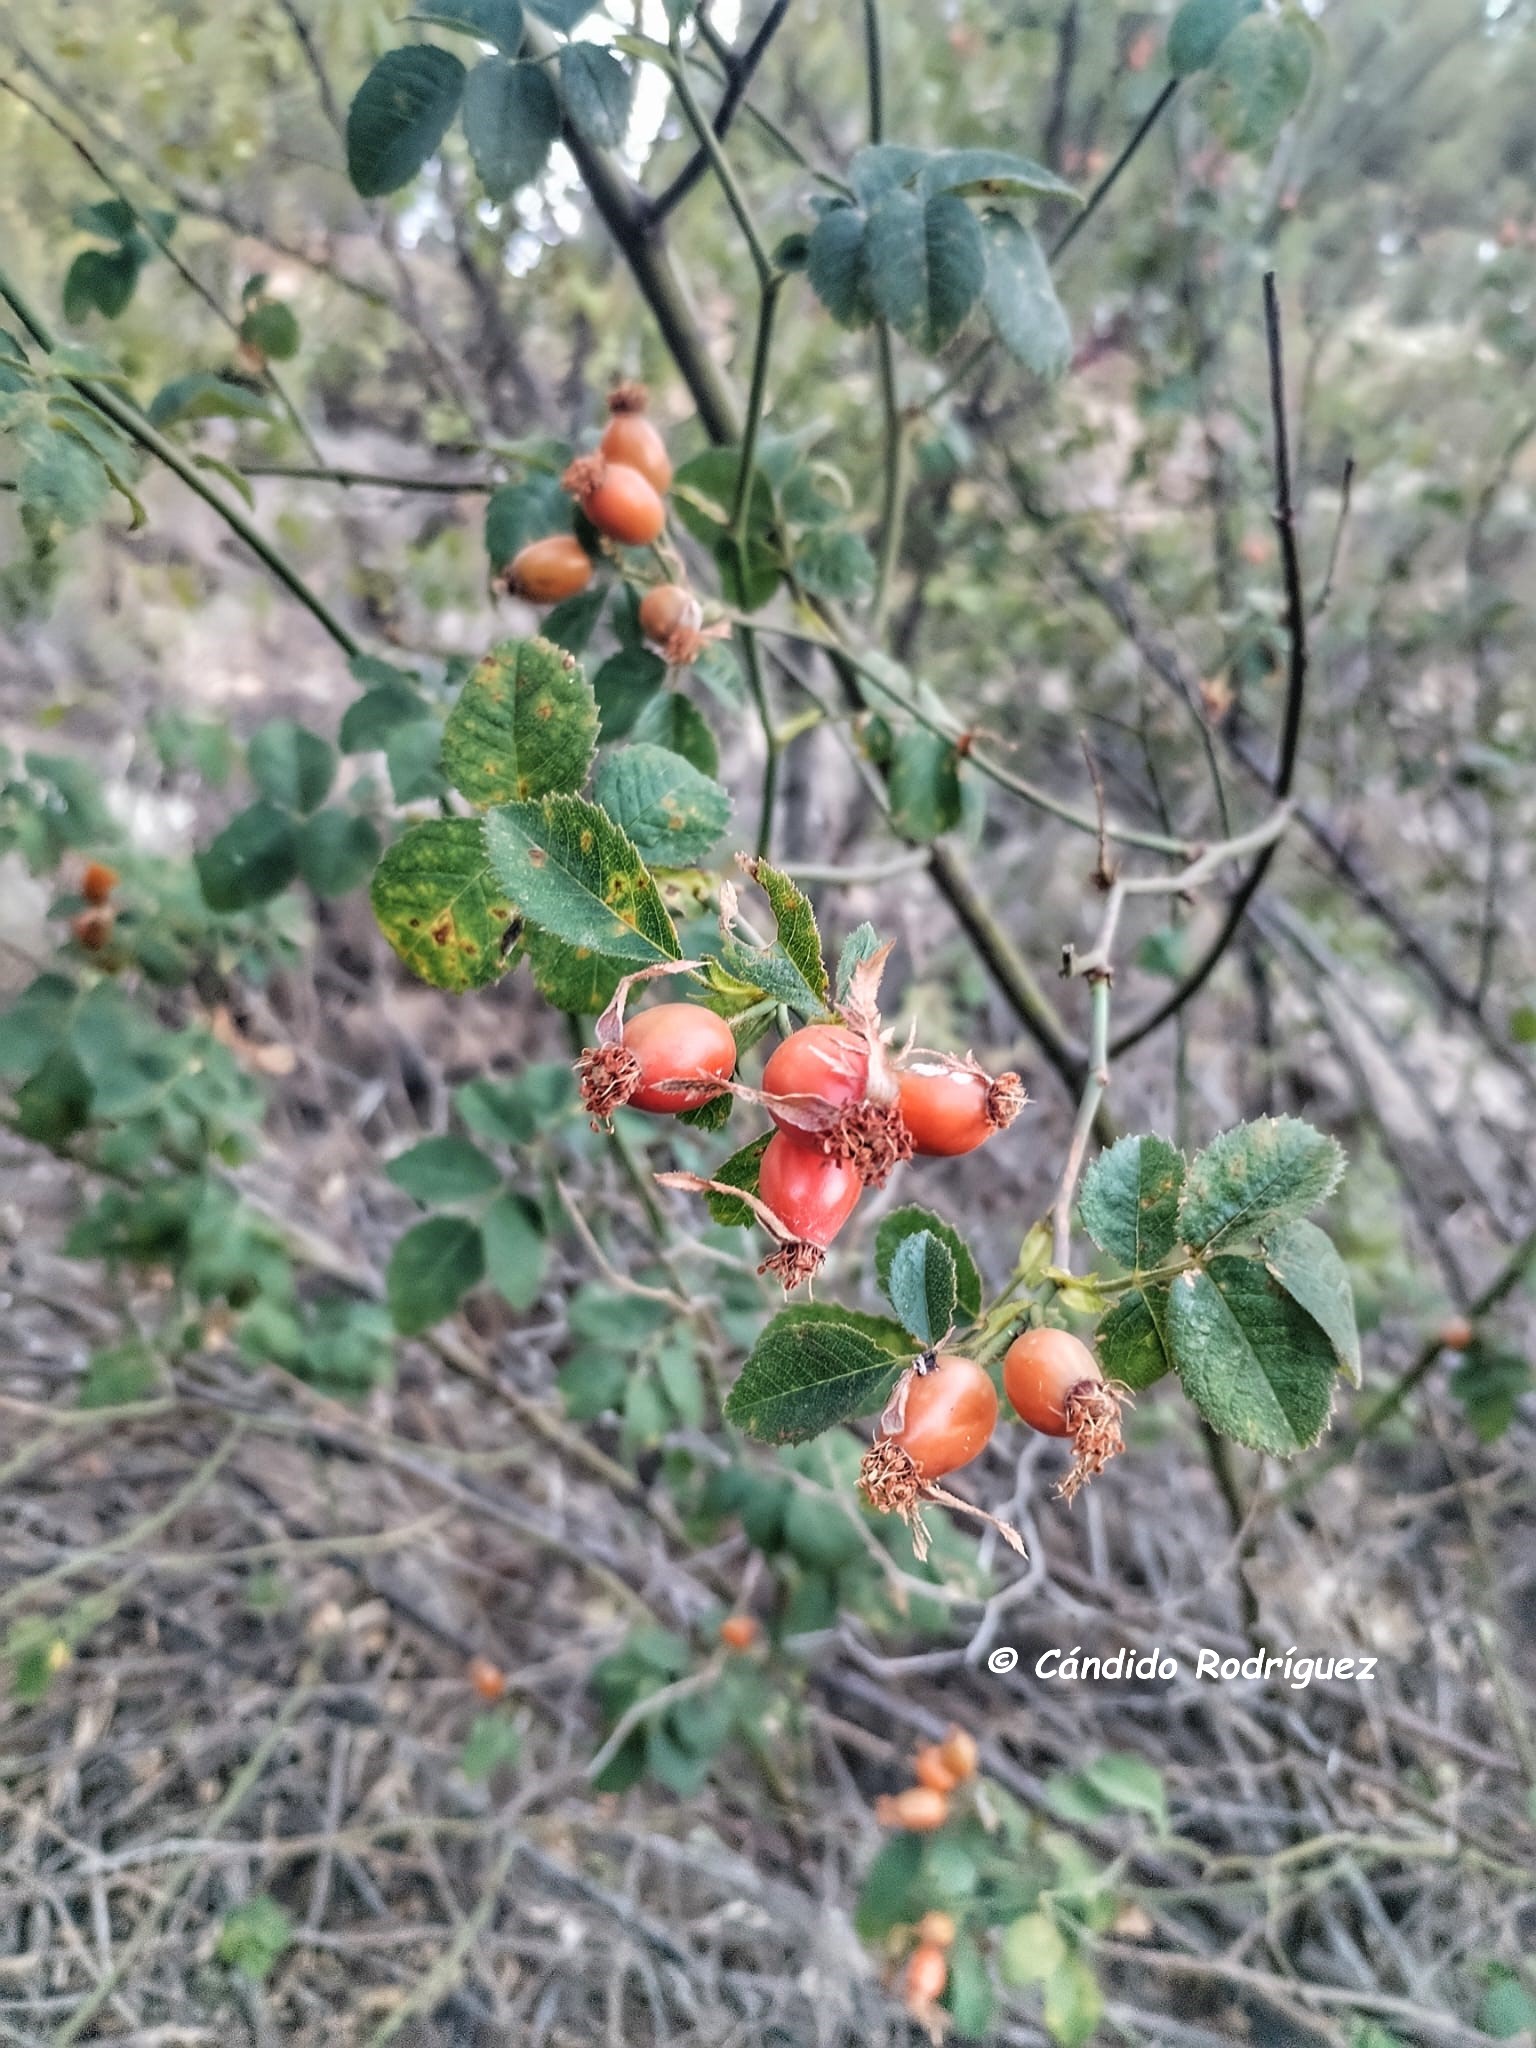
column 673, row 814
column 575, row 980
column 441, row 907
column 572, row 872
column 525, row 725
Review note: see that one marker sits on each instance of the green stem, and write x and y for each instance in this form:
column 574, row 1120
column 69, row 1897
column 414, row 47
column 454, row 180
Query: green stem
column 897, row 453
column 875, row 58
column 741, row 510
column 709, row 143
column 137, row 428
column 1095, row 1082
column 751, row 661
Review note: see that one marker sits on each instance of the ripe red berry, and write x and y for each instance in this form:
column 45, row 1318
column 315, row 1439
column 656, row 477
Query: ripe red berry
column 948, row 1417
column 738, row 1631
column 98, row 882
column 661, row 1047
column 1054, row 1382
column 486, row 1678
column 950, row 1110
column 549, row 571
column 923, row 1980
column 630, row 438
column 812, row 1196
column 618, row 500
column 824, row 1085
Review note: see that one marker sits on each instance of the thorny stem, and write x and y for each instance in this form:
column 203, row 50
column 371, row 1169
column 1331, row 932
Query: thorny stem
column 137, row 428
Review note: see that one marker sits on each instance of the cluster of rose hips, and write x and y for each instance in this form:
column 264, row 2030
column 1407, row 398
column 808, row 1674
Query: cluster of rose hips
column 621, row 489
column 93, row 926
column 939, row 1769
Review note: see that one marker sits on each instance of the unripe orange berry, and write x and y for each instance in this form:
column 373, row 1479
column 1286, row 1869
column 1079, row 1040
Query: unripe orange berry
column 486, row 1678
column 92, row 929
column 630, row 438
column 937, row 1928
column 1457, row 1335
column 1040, row 1370
column 739, row 1631
column 549, row 571
column 618, row 500
column 678, row 1042
column 665, row 608
column 925, row 1976
column 98, row 882
column 959, row 1751
column 919, row 1809
column 950, row 1110
column 930, row 1769
column 951, row 1412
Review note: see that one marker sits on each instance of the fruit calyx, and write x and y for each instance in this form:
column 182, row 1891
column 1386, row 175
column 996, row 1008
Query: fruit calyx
column 795, row 1259
column 607, row 1072
column 1093, row 1422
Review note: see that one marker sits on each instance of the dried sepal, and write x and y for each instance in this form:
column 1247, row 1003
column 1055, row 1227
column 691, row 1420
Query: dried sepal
column 585, row 475
column 1093, row 1417
column 795, row 1258
column 628, row 395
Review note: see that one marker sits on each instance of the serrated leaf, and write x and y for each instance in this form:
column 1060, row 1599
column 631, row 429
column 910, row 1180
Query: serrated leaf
column 572, row 872
column 489, row 21
column 1119, row 1779
column 924, row 786
column 1258, row 1367
column 1131, row 1339
column 292, row 766
column 596, row 90
column 440, row 905
column 1130, row 1201
column 1073, row 2004
column 445, row 1169
column 100, row 280
column 741, row 1170
column 920, row 1283
column 431, row 1270
column 704, row 496
column 338, row 851
column 624, row 686
column 1032, row 1950
column 926, row 264
column 1258, row 80
column 573, row 978
column 511, row 122
column 414, row 756
column 1020, row 296
column 1255, row 1176
column 832, row 562
column 399, row 115
column 273, row 328
column 201, row 395
column 836, row 266
column 810, row 1370
column 518, row 513
column 991, row 174
column 672, row 813
column 367, row 724
column 525, row 725
column 1200, row 28
column 1303, row 1259
column 861, row 944
column 562, row 14
column 798, row 934
column 670, row 720
column 881, row 166
column 253, row 859
column 515, row 1250
column 911, row 1221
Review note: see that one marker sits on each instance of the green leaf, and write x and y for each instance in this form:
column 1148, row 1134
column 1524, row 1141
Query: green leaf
column 624, row 687
column 596, row 90
column 442, row 1170
column 837, row 267
column 672, row 813
column 796, row 925
column 571, row 623
column 921, row 1285
column 1020, row 297
column 338, row 851
column 572, row 872
column 515, row 1111
column 201, row 395
column 1256, row 1176
column 515, row 1251
column 991, row 174
column 562, row 14
column 511, row 122
column 431, row 1270
column 401, row 112
column 832, row 562
column 820, row 1533
column 1032, row 1950
column 592, row 1382
column 1130, row 1201
column 1122, row 1780
column 272, row 327
column 1490, row 1384
column 62, row 485
column 882, row 166
column 440, row 906
column 924, row 786
column 34, row 1023
column 1253, row 1361
column 888, row 1897
column 912, row 1221
column 367, row 724
column 516, row 514
column 810, row 1370
column 253, row 859
column 1302, row 1258
column 413, row 755
column 1258, row 80
column 493, row 1742
column 292, row 766
column 670, row 720
column 573, row 978
column 1073, row 2005
column 525, row 725
column 102, row 281
column 122, row 1375
column 741, row 1170
column 253, row 1938
column 926, row 264
column 1200, row 28
column 489, row 21
column 1506, row 2008
column 704, row 495
column 1132, row 1339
